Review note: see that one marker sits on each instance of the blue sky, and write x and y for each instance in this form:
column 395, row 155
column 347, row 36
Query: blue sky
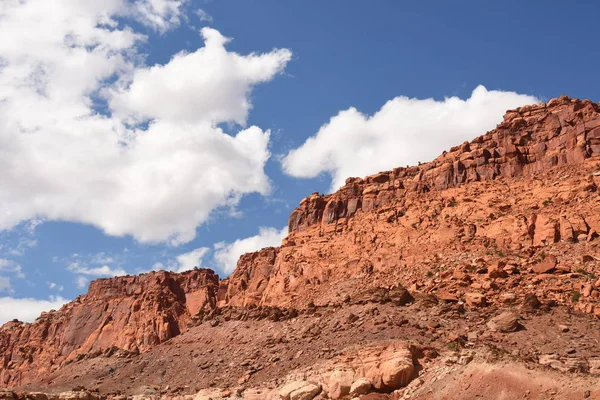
column 146, row 134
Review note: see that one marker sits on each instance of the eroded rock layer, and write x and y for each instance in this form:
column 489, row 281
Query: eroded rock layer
column 531, row 139
column 530, row 182
column 510, row 219
column 126, row 314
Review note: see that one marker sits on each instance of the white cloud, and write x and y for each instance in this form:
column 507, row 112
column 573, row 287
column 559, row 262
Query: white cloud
column 19, row 240
column 5, row 285
column 210, row 84
column 157, row 266
column 181, row 263
column 22, row 246
column 161, row 15
column 101, row 258
column 81, row 282
column 204, row 16
column 55, row 286
column 188, row 261
column 11, row 267
column 62, row 61
column 27, row 309
column 227, row 254
column 104, row 271
column 403, row 132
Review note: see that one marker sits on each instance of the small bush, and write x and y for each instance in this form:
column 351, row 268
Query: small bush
column 585, row 273
column 454, row 346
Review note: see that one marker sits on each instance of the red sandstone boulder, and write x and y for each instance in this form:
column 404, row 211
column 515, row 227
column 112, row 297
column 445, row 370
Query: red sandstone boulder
column 475, row 299
column 546, row 265
column 505, row 322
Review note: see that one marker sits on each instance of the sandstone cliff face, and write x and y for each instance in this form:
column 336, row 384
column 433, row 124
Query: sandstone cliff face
column 128, row 314
column 515, row 209
column 531, row 139
column 530, row 182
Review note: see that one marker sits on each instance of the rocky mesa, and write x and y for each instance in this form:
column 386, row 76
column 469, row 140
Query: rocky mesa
column 392, row 283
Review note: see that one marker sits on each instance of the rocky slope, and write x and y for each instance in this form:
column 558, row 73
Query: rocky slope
column 489, row 252
column 502, row 190
column 125, row 315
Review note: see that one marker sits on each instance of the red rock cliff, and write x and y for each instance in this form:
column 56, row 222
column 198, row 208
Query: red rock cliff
column 529, row 183
column 531, row 139
column 131, row 313
column 390, row 228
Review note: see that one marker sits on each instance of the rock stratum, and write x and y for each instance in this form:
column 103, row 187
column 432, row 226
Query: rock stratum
column 482, row 262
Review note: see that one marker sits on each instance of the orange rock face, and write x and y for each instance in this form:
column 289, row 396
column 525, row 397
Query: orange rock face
column 506, row 216
column 529, row 183
column 530, row 140
column 129, row 314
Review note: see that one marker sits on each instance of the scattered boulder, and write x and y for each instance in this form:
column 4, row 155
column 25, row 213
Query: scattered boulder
column 547, row 265
column 447, row 296
column 594, row 365
column 508, row 298
column 505, row 322
column 586, row 258
column 299, row 390
column 390, row 369
column 209, row 394
column 497, row 271
column 258, row 394
column 360, row 386
column 77, row 395
column 531, row 302
column 6, row 394
column 563, row 364
column 340, row 382
column 374, row 396
column 475, row 299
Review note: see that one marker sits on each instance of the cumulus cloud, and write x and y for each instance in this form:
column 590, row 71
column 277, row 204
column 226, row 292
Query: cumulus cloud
column 403, row 132
column 210, row 84
column 27, row 309
column 227, row 254
column 188, row 261
column 89, row 134
column 102, row 271
column 81, row 282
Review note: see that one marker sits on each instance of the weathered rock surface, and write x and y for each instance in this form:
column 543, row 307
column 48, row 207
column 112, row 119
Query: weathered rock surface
column 299, row 390
column 505, row 322
column 122, row 316
column 511, row 218
column 388, row 222
column 360, row 386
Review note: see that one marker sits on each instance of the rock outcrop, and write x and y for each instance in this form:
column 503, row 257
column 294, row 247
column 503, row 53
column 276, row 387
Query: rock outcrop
column 531, row 139
column 510, row 219
column 529, row 183
column 124, row 315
